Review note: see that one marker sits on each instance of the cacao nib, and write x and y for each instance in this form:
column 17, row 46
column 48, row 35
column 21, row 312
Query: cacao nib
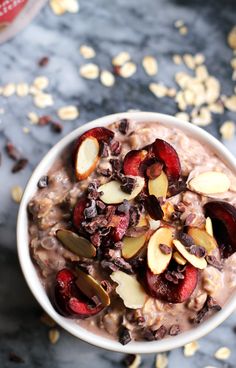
column 135, row 232
column 100, row 205
column 56, row 127
column 122, row 264
column 160, row 333
column 93, row 191
column 177, row 187
column 43, row 61
column 115, row 147
column 116, row 165
column 123, row 126
column 197, row 251
column 124, row 335
column 13, row 357
column 96, row 239
column 118, row 245
column 106, row 286
column 19, row 165
column 174, row 276
column 128, row 184
column 213, row 261
column 104, row 172
column 153, row 208
column 190, row 219
column 135, row 215
column 141, row 197
column 154, row 170
column 165, row 249
column 174, row 330
column 103, row 149
column 137, row 263
column 43, row 182
column 91, row 210
column 209, row 305
column 148, row 334
column 124, row 207
column 88, row 268
column 12, row 151
column 185, row 239
column 97, row 223
column 128, row 360
column 175, row 216
column 108, row 264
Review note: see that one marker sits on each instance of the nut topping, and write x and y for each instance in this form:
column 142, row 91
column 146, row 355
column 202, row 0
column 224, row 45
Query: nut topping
column 76, row 244
column 157, row 260
column 191, row 258
column 210, row 182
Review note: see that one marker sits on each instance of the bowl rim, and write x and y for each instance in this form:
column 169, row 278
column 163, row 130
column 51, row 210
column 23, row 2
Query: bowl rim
column 28, row 267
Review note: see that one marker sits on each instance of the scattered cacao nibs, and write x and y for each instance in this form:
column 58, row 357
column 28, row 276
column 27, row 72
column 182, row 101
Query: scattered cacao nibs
column 44, row 120
column 98, row 222
column 96, row 300
column 181, row 268
column 12, row 151
column 43, row 182
column 56, row 127
column 148, row 334
column 165, row 249
column 106, row 286
column 190, row 219
column 116, row 165
column 124, row 335
column 100, row 205
column 135, row 215
column 123, row 265
column 185, row 239
column 88, row 268
column 128, row 184
column 104, row 172
column 137, row 263
column 135, row 232
column 103, row 149
column 115, row 147
column 93, row 191
column 91, row 210
column 123, row 126
column 124, row 207
column 136, row 316
column 19, row 165
column 128, row 360
column 118, row 245
column 13, row 357
column 197, row 251
column 160, row 333
column 153, row 208
column 178, row 186
column 174, row 330
column 174, row 276
column 96, row 239
column 209, row 305
column 43, row 61
column 108, row 264
column 154, row 170
column 213, row 261
column 175, row 216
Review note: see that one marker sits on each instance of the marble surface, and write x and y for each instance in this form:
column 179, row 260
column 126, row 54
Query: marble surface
column 140, row 27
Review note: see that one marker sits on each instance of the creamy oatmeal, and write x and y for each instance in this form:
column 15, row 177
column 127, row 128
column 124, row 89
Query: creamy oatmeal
column 133, row 230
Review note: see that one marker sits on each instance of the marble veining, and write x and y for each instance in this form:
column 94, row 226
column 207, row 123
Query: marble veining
column 140, row 27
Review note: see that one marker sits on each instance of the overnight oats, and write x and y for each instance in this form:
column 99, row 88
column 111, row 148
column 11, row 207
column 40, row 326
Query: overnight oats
column 133, row 231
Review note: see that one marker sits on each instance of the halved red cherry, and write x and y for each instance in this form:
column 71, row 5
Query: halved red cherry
column 121, row 226
column 78, row 214
column 160, row 288
column 223, row 216
column 87, row 150
column 165, row 152
column 82, row 309
column 132, row 162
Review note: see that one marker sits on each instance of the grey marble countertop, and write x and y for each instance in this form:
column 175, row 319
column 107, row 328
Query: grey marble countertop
column 139, row 27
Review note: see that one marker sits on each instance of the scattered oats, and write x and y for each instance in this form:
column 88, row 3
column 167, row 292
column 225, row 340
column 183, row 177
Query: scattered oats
column 212, row 89
column 71, row 6
column 43, row 100
column 127, row 70
column 189, row 97
column 182, row 116
column 121, row 58
column 199, row 59
column 232, row 38
column 179, row 23
column 107, row 78
column 33, row 117
column 171, row 92
column 150, row 65
column 227, row 130
column 159, row 90
column 183, row 30
column 201, row 73
column 222, row 353
column 41, row 83
column 216, row 108
column 57, row 7
column 87, row 52
column 181, row 101
column 136, row 362
column 182, row 79
column 191, row 348
column 233, row 63
column 68, row 113
column 47, row 320
column 203, row 118
column 177, row 59
column 189, row 61
column 16, row 193
column 161, row 360
column 26, row 130
column 53, row 335
column 9, row 90
column 89, row 71
column 22, row 89
column 33, row 90
column 230, row 103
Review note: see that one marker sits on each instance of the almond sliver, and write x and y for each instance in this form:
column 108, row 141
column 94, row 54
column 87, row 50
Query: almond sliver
column 210, row 182
column 197, row 262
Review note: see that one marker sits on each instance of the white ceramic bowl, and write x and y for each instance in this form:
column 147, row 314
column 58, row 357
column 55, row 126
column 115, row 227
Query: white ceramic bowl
column 29, row 268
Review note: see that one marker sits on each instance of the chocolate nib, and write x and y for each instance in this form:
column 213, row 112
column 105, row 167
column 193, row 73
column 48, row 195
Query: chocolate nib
column 124, row 335
column 153, row 207
column 124, row 126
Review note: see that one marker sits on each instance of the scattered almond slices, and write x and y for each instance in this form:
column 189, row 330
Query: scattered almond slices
column 191, row 348
column 86, row 158
column 150, row 65
column 227, row 130
column 158, row 186
column 126, row 284
column 156, row 259
column 191, row 258
column 121, row 58
column 76, row 244
column 89, row 71
column 210, row 182
column 202, row 238
column 69, row 112
column 87, row 52
column 208, row 226
column 132, row 246
column 127, row 70
column 112, row 193
column 222, row 353
column 107, row 78
column 179, row 259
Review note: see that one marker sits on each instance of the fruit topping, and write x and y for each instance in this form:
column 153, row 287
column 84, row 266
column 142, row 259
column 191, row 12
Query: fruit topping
column 91, row 288
column 167, row 154
column 121, row 227
column 132, row 162
column 223, row 216
column 159, row 251
column 210, row 182
column 203, row 239
column 198, row 262
column 161, row 288
column 153, row 207
column 78, row 214
column 129, row 289
column 132, row 246
column 158, row 186
column 100, row 133
column 76, row 244
column 87, row 157
column 111, row 192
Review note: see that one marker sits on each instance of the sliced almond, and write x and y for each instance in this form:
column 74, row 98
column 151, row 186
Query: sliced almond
column 208, row 226
column 112, row 193
column 156, row 259
column 132, row 246
column 76, row 244
column 197, row 262
column 158, row 186
column 210, row 182
column 179, row 259
column 129, row 289
column 86, row 158
column 168, row 209
column 90, row 287
column 203, row 239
